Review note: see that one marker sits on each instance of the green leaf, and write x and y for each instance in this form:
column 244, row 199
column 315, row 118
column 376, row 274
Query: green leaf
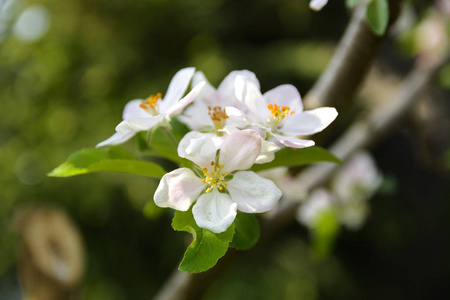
column 290, row 157
column 378, row 16
column 112, row 159
column 207, row 246
column 247, row 231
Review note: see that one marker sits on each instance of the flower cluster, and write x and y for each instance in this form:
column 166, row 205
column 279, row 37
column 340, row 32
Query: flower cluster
column 232, row 128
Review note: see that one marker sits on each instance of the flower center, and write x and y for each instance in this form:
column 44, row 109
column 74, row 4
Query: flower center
column 216, row 178
column 218, row 116
column 279, row 112
column 151, row 104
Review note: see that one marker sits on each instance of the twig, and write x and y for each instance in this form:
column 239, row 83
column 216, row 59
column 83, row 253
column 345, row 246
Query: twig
column 362, row 134
column 350, row 63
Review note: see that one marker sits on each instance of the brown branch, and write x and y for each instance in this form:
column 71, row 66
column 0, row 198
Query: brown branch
column 349, row 65
column 362, row 134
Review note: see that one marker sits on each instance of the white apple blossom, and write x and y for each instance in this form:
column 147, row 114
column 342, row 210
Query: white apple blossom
column 222, row 186
column 319, row 202
column 207, row 113
column 207, row 116
column 279, row 112
column 352, row 185
column 141, row 115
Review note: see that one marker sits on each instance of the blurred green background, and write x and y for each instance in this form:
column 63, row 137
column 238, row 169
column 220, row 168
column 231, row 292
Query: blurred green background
column 64, row 88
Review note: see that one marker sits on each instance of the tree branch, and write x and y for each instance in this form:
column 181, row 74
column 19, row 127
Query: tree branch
column 350, row 63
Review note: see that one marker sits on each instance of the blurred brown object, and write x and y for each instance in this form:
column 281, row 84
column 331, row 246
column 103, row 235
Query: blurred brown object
column 51, row 257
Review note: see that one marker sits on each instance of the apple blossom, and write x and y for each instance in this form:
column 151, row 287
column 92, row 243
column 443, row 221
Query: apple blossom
column 351, row 186
column 207, row 113
column 141, row 115
column 319, row 202
column 279, row 112
column 221, row 185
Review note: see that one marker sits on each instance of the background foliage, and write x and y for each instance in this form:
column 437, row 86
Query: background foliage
column 66, row 91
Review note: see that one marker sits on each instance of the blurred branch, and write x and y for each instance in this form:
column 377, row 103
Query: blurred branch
column 353, row 57
column 362, row 134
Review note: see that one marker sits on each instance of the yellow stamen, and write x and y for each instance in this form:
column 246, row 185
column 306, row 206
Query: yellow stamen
column 215, row 179
column 279, row 112
column 151, row 104
column 218, row 116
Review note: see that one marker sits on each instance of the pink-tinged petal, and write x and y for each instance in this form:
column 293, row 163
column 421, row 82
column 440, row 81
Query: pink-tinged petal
column 240, row 150
column 256, row 103
column 116, row 139
column 178, row 189
column 178, row 86
column 208, row 90
column 308, row 122
column 133, row 110
column 199, row 148
column 214, row 211
column 253, row 193
column 138, row 124
column 317, row 4
column 227, row 87
column 178, row 107
column 267, row 154
column 285, row 95
column 293, row 142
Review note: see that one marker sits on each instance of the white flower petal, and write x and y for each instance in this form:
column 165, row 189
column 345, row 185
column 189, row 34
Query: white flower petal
column 133, row 110
column 293, row 142
column 237, row 116
column 253, row 193
column 178, row 107
column 267, row 153
column 138, row 124
column 240, row 150
column 285, row 95
column 214, row 211
column 117, row 138
column 177, row 87
column 199, row 148
column 196, row 117
column 227, row 87
column 178, row 189
column 208, row 90
column 309, row 122
column 256, row 103
column 317, row 4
